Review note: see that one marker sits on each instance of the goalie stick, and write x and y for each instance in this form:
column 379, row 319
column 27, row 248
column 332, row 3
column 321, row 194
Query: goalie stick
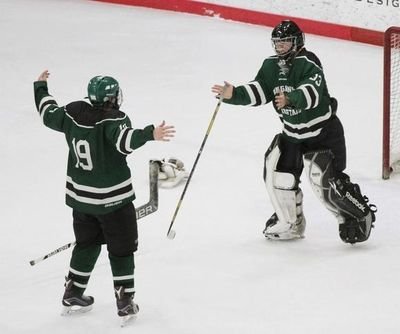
column 152, row 205
column 142, row 211
column 171, row 233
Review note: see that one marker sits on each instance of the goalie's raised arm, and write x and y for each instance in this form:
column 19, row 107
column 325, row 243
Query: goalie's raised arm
column 226, row 90
column 163, row 132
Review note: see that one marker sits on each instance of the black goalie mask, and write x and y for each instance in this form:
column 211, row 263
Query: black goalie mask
column 287, row 38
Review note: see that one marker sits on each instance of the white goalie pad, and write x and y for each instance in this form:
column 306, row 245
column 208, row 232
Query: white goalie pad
column 318, row 167
column 280, row 189
column 172, row 173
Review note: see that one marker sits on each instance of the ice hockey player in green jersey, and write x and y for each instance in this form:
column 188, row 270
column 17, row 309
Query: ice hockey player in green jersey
column 99, row 187
column 294, row 81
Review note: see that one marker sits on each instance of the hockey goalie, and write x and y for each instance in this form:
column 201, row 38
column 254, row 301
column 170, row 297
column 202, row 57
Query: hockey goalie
column 294, row 82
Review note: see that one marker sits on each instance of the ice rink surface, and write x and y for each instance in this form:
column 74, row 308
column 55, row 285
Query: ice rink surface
column 219, row 275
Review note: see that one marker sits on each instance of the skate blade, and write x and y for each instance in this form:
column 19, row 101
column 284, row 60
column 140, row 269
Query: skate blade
column 283, row 236
column 126, row 319
column 71, row 310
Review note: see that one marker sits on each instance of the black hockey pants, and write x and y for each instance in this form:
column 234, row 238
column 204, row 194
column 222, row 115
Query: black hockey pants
column 331, row 137
column 117, row 229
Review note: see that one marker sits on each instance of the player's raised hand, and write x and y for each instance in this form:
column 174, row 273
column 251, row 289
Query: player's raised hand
column 163, row 132
column 226, row 90
column 43, row 76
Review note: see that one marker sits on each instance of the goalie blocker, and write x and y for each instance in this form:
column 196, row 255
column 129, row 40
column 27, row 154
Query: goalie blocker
column 340, row 196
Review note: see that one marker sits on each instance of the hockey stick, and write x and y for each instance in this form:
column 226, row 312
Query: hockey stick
column 54, row 252
column 171, row 233
column 142, row 211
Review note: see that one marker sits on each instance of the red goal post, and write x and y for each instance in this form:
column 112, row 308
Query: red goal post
column 391, row 103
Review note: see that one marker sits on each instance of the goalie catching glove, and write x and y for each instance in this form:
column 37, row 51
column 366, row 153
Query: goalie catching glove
column 172, row 172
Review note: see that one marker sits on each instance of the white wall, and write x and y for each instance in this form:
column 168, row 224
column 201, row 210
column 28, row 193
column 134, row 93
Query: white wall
column 370, row 14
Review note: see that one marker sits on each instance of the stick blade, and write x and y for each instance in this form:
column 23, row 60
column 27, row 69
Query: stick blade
column 171, row 234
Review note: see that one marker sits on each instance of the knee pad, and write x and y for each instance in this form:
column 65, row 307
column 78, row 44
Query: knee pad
column 340, row 196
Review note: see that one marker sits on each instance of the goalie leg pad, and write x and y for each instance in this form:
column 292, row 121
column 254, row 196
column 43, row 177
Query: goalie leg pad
column 356, row 230
column 319, row 170
column 280, row 187
column 358, row 215
column 285, row 196
column 340, row 196
column 295, row 231
column 286, row 200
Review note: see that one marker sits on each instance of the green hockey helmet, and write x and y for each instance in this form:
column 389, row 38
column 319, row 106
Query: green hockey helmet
column 103, row 89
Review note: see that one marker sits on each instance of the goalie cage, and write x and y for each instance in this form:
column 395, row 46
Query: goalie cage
column 391, row 103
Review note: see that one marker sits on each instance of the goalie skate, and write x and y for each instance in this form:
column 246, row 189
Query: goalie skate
column 275, row 230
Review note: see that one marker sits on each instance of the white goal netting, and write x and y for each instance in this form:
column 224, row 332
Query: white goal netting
column 392, row 96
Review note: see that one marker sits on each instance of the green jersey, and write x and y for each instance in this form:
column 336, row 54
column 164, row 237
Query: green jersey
column 304, row 84
column 98, row 176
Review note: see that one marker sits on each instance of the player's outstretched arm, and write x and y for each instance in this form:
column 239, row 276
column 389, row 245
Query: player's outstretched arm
column 163, row 132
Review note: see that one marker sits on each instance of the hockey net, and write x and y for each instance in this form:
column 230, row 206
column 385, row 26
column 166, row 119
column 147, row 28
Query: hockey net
column 391, row 104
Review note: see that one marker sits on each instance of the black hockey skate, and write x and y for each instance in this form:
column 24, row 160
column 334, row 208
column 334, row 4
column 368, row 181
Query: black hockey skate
column 73, row 302
column 127, row 309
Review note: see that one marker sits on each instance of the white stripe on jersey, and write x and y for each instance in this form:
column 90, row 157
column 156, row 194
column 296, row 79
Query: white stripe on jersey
column 119, row 144
column 303, row 135
column 44, row 100
column 96, row 190
column 128, row 141
column 308, row 97
column 251, row 95
column 103, row 201
column 310, row 123
column 260, row 91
